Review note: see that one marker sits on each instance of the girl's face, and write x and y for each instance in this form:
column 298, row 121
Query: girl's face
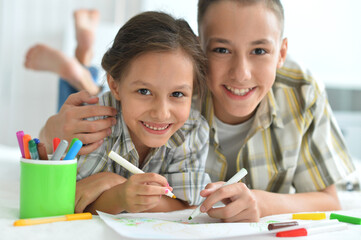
column 155, row 96
column 244, row 48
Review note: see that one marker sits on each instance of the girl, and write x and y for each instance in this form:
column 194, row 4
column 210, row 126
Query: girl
column 152, row 68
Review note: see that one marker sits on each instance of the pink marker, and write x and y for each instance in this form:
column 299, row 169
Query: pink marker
column 20, row 135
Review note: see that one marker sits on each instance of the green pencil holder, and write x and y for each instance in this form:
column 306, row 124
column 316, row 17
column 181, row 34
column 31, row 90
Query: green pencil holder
column 47, row 188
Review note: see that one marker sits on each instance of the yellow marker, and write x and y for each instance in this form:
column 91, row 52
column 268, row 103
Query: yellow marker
column 69, row 217
column 309, row 216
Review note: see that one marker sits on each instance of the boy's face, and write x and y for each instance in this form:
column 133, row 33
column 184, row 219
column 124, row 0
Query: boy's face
column 244, row 49
column 155, row 96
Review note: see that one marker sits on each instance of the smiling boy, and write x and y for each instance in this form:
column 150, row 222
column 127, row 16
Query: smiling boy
column 267, row 115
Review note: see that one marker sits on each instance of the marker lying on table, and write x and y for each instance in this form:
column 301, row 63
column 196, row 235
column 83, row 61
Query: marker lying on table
column 130, row 167
column 235, row 179
column 346, row 219
column 309, row 216
column 273, row 226
column 69, row 217
column 313, row 229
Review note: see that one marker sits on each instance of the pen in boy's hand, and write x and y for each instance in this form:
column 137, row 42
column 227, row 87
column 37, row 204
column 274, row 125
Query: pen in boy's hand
column 236, row 178
column 130, row 167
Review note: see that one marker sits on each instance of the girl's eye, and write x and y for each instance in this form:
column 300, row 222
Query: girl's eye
column 144, row 91
column 177, row 94
column 221, row 50
column 259, row 51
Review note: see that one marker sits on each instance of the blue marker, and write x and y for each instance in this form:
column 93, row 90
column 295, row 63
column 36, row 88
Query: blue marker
column 33, row 149
column 37, row 141
column 73, row 151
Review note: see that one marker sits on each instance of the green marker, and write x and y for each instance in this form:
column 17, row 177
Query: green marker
column 73, row 141
column 33, row 150
column 346, row 219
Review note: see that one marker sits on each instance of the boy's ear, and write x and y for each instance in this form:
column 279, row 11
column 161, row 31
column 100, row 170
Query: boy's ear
column 113, row 86
column 283, row 53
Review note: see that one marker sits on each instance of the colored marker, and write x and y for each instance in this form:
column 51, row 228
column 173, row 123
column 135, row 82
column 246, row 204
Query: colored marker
column 60, row 150
column 73, row 151
column 131, row 168
column 309, row 216
column 19, row 136
column 70, row 217
column 346, row 219
column 235, row 179
column 73, row 141
column 306, row 231
column 56, row 142
column 42, row 151
column 36, row 140
column 33, row 149
column 273, row 226
column 26, row 140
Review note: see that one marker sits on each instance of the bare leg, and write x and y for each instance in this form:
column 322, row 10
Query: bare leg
column 86, row 22
column 44, row 58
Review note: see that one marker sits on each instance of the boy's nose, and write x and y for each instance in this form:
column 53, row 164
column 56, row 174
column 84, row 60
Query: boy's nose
column 240, row 69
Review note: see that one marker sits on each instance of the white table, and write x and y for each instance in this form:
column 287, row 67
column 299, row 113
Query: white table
column 95, row 228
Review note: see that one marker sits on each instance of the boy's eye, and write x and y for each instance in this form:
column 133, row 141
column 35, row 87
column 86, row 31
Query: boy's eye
column 177, row 94
column 221, row 50
column 259, row 51
column 144, row 91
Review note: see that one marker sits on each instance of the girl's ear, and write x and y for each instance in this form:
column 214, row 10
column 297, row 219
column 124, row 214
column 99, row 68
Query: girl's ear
column 113, row 86
column 283, row 53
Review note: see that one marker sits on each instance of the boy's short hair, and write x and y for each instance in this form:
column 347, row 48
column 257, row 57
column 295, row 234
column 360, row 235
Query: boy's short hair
column 155, row 32
column 274, row 5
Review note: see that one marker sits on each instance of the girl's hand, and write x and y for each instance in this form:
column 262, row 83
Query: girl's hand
column 142, row 192
column 90, row 188
column 241, row 203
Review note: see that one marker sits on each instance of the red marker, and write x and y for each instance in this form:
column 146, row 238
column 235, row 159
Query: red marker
column 56, row 142
column 319, row 228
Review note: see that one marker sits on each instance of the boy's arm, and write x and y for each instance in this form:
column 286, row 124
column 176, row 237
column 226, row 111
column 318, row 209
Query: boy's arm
column 69, row 123
column 245, row 205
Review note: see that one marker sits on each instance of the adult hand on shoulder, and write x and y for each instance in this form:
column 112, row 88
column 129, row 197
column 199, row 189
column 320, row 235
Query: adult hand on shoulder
column 90, row 188
column 240, row 202
column 70, row 122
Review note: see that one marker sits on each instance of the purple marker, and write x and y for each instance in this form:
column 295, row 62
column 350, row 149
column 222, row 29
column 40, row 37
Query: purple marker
column 20, row 135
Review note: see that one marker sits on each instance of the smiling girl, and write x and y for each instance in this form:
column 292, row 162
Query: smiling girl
column 153, row 67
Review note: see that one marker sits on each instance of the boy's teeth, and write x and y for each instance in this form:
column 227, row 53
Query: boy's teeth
column 239, row 92
column 155, row 128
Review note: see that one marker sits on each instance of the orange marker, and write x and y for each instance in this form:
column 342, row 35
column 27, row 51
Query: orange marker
column 56, row 142
column 26, row 140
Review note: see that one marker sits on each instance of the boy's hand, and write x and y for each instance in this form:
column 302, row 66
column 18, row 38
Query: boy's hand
column 241, row 203
column 69, row 123
column 90, row 188
column 142, row 192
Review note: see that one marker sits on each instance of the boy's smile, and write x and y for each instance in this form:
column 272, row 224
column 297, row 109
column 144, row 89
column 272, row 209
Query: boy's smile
column 155, row 95
column 244, row 49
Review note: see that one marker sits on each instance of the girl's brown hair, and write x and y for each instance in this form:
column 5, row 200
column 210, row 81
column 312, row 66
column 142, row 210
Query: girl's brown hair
column 154, row 32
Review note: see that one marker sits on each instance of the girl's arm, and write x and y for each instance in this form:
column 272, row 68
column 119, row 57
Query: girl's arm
column 140, row 193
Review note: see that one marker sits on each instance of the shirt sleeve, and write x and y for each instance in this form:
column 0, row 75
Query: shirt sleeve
column 323, row 159
column 186, row 171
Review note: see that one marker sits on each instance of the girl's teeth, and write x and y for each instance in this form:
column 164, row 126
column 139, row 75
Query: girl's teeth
column 155, row 128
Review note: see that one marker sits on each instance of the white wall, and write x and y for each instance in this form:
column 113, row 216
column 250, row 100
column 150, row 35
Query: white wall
column 324, row 34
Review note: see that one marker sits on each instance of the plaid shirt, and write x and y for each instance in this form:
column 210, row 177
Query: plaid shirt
column 181, row 161
column 294, row 140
